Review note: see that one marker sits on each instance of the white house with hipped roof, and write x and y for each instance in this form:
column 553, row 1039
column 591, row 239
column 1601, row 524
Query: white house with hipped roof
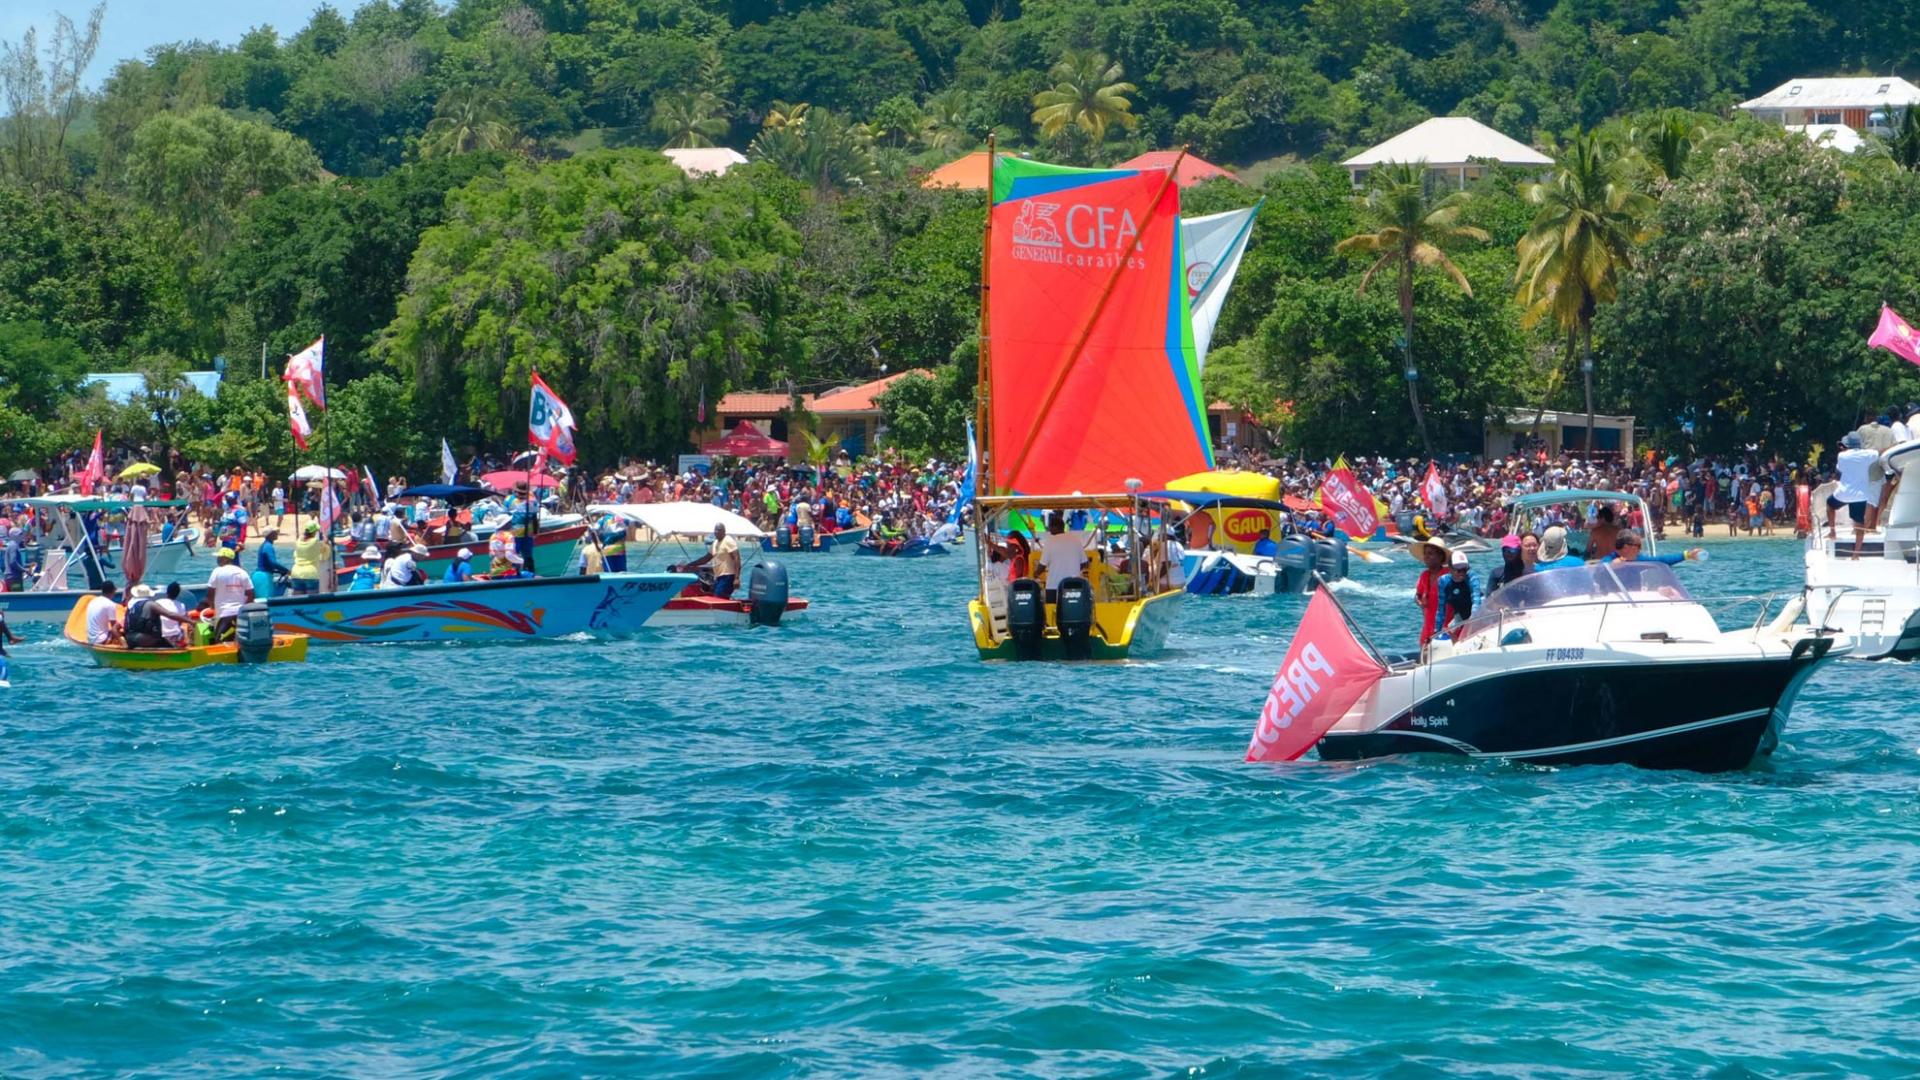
column 705, row 160
column 1455, row 148
column 1863, row 103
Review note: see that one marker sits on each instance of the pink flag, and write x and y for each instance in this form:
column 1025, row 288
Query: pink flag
column 329, row 509
column 1324, row 673
column 297, row 418
column 307, row 369
column 1894, row 335
column 1349, row 504
column 96, row 469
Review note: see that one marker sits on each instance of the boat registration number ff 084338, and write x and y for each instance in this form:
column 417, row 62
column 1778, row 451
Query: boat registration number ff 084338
column 1578, row 653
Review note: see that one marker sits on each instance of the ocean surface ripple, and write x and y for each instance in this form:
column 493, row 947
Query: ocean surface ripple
column 846, row 847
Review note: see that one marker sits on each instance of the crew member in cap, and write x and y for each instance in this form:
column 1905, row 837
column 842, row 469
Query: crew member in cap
column 461, row 568
column 229, row 588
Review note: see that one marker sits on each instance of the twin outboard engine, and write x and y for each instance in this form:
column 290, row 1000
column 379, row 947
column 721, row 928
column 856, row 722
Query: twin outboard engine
column 253, row 633
column 806, row 538
column 1330, row 557
column 783, row 537
column 767, row 593
column 1293, row 567
column 1073, row 614
column 1026, row 618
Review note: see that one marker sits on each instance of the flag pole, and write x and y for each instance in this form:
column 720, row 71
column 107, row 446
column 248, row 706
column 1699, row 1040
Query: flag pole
column 326, row 475
column 532, row 525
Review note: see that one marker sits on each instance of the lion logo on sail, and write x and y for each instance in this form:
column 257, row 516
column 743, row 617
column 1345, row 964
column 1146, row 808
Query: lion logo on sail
column 1035, row 225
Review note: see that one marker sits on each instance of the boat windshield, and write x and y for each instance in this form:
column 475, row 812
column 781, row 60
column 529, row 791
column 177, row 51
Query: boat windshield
column 1624, row 582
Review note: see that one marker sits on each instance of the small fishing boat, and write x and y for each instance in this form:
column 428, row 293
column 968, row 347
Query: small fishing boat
column 917, row 547
column 686, row 526
column 511, row 609
column 706, row 609
column 787, row 540
column 48, row 599
column 247, row 649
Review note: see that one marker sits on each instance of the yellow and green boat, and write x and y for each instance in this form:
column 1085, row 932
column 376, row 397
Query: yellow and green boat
column 1089, row 382
column 287, row 648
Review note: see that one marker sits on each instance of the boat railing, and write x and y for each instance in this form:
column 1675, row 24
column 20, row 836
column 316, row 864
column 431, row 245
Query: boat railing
column 1716, row 607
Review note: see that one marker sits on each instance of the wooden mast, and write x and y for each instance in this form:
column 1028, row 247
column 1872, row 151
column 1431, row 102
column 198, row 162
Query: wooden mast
column 983, row 386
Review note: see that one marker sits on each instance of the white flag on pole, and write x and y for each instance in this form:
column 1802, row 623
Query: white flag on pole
column 448, row 470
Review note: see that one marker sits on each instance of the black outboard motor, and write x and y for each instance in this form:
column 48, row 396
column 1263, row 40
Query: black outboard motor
column 1026, row 618
column 806, row 538
column 253, row 632
column 783, row 537
column 1073, row 614
column 767, row 593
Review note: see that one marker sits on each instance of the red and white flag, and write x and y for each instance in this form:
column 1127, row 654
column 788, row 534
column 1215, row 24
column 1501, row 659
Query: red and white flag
column 1896, row 336
column 1434, row 490
column 550, row 423
column 1348, row 503
column 1324, row 673
column 297, row 418
column 307, row 370
column 96, row 470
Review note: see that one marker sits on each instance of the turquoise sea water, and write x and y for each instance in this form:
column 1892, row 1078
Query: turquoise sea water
column 846, row 847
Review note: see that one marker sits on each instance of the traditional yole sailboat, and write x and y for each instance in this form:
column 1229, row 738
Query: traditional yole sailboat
column 1089, row 383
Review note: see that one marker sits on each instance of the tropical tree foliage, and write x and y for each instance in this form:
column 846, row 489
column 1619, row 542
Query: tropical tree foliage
column 1089, row 92
column 467, row 119
column 1409, row 229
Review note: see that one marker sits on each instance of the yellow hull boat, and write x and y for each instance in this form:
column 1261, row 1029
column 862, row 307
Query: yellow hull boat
column 288, row 648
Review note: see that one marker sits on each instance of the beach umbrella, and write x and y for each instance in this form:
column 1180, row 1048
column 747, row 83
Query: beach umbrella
column 506, row 478
column 133, row 552
column 22, row 476
column 138, row 469
column 318, row 472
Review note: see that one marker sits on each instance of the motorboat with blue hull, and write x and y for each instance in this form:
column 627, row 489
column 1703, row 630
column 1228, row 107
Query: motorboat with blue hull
column 787, row 540
column 511, row 609
column 1599, row 664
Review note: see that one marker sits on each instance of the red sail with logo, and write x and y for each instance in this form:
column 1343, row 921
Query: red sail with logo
column 1092, row 371
column 1325, row 672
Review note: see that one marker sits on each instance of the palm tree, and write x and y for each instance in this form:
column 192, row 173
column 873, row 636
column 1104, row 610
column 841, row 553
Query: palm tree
column 1088, row 93
column 689, row 119
column 1590, row 218
column 466, row 119
column 943, row 125
column 1410, row 229
column 1668, row 145
column 821, row 148
column 1902, row 147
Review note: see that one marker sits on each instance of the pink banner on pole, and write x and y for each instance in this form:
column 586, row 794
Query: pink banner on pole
column 1896, row 336
column 1434, row 490
column 1325, row 672
column 1349, row 504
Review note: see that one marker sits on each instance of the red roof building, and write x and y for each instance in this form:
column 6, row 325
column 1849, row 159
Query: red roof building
column 1193, row 170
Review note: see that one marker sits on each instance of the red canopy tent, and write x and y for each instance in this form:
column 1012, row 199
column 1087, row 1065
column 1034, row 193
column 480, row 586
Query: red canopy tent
column 745, row 440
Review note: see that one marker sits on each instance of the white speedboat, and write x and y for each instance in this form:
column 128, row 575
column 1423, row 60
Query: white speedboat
column 1598, row 664
column 1874, row 598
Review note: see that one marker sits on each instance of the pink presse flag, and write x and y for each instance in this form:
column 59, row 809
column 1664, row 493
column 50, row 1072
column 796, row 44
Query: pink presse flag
column 96, row 469
column 1896, row 336
column 1349, row 504
column 297, row 418
column 1324, row 673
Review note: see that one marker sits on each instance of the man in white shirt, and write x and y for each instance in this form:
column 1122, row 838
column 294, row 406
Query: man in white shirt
column 103, row 616
column 401, row 569
column 1855, row 485
column 1063, row 554
column 228, row 589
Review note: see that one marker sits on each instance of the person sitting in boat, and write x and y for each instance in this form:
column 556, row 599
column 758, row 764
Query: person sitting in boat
column 176, row 623
column 1457, row 591
column 613, row 546
column 724, row 556
column 461, row 568
column 1602, row 534
column 1553, row 551
column 402, row 570
column 366, row 576
column 1513, row 564
column 1628, row 549
column 103, row 616
column 147, row 616
column 503, row 556
column 267, row 559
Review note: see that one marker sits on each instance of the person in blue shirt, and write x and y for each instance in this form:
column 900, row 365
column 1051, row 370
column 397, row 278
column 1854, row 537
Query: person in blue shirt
column 366, row 576
column 268, row 560
column 1627, row 549
column 461, row 568
column 1553, row 551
